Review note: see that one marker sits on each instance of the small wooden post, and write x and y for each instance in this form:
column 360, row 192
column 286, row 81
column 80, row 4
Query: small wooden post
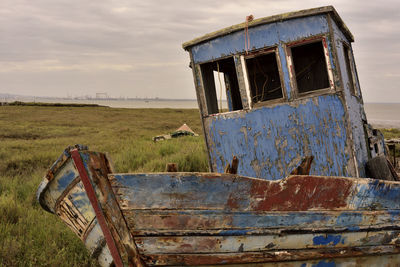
column 171, row 167
column 304, row 167
column 232, row 168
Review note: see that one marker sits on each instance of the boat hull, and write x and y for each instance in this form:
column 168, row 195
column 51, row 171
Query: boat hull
column 210, row 218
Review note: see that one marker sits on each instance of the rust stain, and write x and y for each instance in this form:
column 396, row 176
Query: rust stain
column 285, row 196
column 232, row 202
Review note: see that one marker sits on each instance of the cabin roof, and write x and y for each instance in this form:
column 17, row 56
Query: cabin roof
column 271, row 19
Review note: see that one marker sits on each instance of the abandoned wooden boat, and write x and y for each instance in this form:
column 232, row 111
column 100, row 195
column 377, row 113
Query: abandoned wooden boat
column 293, row 93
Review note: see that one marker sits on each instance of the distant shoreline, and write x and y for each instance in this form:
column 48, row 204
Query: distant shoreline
column 380, row 115
column 42, row 104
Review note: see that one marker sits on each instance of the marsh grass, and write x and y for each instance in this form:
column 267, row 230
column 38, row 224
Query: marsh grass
column 392, row 133
column 31, row 139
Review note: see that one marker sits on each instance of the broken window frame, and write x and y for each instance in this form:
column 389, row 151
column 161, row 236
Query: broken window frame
column 291, row 69
column 209, row 89
column 258, row 53
column 350, row 69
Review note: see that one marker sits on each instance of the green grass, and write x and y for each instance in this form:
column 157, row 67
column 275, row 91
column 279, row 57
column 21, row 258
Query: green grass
column 32, row 137
column 392, row 133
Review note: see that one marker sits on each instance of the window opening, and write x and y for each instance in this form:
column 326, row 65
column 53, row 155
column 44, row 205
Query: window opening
column 310, row 67
column 223, row 74
column 264, row 79
column 346, row 52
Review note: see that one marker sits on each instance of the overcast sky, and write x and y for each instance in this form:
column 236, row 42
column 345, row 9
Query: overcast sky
column 134, row 48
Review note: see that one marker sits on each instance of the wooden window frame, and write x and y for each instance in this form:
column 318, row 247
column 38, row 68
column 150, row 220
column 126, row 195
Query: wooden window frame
column 255, row 54
column 292, row 74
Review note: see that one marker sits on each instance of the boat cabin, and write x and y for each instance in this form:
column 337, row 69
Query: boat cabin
column 292, row 91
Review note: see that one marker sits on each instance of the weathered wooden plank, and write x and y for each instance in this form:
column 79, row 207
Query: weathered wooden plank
column 307, row 255
column 381, row 261
column 97, row 168
column 209, row 191
column 271, row 141
column 141, row 221
column 251, row 243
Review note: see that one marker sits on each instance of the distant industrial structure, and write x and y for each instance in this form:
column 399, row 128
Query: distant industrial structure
column 102, row 96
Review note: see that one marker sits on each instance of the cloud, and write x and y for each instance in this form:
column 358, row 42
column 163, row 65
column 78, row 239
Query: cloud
column 137, row 44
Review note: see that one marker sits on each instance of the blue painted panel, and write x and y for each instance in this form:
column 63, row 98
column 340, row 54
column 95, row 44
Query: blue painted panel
column 376, row 194
column 253, row 221
column 261, row 36
column 65, row 179
column 266, row 35
column 271, row 141
column 190, row 190
column 81, row 201
column 325, row 263
column 210, row 192
column 295, row 29
column 354, row 105
column 330, row 240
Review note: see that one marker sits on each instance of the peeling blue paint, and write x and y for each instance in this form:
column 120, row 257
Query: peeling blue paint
column 331, row 240
column 377, row 195
column 266, row 35
column 82, row 203
column 65, row 180
column 234, row 232
column 325, row 263
column 350, row 220
column 271, row 141
column 354, row 104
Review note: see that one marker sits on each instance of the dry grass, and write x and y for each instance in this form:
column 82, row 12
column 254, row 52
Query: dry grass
column 32, row 137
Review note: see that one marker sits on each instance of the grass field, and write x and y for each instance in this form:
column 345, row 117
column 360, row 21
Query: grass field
column 31, row 139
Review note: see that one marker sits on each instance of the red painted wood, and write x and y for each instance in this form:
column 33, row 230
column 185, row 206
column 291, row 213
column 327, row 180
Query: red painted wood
column 95, row 204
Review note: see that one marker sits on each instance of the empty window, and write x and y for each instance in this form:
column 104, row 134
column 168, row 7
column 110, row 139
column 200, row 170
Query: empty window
column 310, row 67
column 221, row 76
column 346, row 53
column 264, row 79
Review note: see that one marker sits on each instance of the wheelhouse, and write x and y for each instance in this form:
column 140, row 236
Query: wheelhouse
column 294, row 92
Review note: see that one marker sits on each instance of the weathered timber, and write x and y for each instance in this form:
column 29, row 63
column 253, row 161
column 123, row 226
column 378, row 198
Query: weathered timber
column 201, row 214
column 208, row 218
column 252, row 243
column 232, row 168
column 213, row 191
column 219, row 222
column 65, row 192
column 380, row 168
column 332, row 255
column 304, row 167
